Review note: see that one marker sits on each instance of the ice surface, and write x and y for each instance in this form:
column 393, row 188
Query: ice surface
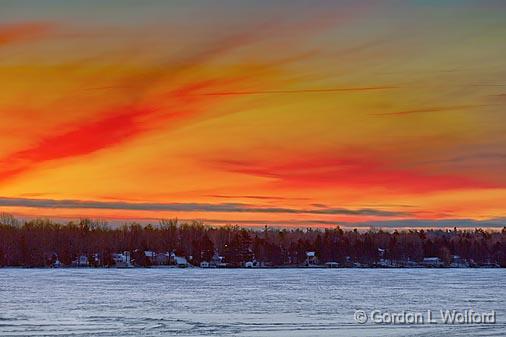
column 241, row 302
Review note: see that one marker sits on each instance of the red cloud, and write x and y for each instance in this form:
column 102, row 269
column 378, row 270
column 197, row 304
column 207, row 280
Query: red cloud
column 325, row 171
column 115, row 127
column 11, row 33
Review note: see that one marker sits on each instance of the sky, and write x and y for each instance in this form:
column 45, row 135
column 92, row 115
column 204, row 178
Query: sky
column 246, row 112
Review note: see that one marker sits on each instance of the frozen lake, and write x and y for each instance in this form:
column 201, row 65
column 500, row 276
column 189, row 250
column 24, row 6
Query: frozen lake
column 226, row 302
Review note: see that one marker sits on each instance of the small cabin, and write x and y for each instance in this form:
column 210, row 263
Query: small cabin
column 204, row 264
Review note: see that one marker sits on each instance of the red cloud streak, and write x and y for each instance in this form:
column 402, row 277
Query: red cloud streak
column 323, row 171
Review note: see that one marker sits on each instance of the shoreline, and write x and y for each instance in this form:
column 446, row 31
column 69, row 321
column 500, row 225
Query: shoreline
column 242, row 268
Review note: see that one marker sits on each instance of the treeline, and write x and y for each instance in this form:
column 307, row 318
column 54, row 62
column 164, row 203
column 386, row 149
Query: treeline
column 36, row 243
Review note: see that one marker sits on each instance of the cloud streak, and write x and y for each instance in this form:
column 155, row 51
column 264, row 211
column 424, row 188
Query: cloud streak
column 425, row 110
column 188, row 207
column 327, row 169
column 296, row 91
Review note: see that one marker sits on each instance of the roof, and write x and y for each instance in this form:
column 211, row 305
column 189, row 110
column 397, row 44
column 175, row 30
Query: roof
column 180, row 260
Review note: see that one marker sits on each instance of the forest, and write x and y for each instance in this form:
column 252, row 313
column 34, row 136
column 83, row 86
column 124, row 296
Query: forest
column 36, row 243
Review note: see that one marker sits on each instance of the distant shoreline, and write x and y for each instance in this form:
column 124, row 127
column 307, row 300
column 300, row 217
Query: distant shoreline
column 42, row 243
column 242, row 268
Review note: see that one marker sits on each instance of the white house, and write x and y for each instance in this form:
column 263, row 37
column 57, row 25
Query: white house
column 311, row 259
column 432, row 262
column 122, row 260
column 150, row 255
column 181, row 262
column 81, row 261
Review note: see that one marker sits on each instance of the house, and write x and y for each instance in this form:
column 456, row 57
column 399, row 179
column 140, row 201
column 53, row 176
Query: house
column 122, row 260
column 311, row 259
column 458, row 262
column 204, row 264
column 408, row 264
column 150, row 256
column 257, row 264
column 432, row 262
column 348, row 262
column 488, row 264
column 96, row 260
column 331, row 264
column 181, row 262
column 381, row 253
column 162, row 259
column 81, row 261
column 248, row 264
column 217, row 261
column 54, row 261
column 385, row 263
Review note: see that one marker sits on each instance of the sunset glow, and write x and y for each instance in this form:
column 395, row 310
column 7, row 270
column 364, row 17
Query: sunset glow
column 316, row 113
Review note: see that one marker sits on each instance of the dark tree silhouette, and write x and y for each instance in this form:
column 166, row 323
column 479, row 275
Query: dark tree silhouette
column 40, row 243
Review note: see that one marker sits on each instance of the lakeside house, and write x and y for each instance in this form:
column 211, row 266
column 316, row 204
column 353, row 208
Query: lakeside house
column 122, row 260
column 408, row 264
column 432, row 262
column 162, row 259
column 253, row 264
column 181, row 262
column 248, row 264
column 81, row 261
column 150, row 256
column 458, row 262
column 217, row 261
column 311, row 259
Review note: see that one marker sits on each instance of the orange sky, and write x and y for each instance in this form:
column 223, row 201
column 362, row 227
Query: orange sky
column 296, row 114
